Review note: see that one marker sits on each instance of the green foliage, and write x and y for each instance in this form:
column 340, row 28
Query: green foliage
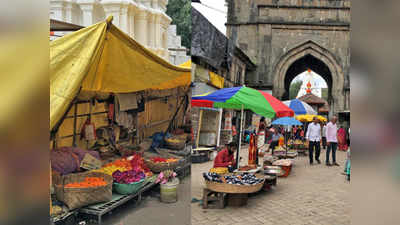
column 294, row 89
column 181, row 15
column 324, row 93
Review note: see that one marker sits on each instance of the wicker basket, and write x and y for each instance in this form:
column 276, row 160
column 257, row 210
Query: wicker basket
column 234, row 188
column 158, row 167
column 179, row 144
column 79, row 197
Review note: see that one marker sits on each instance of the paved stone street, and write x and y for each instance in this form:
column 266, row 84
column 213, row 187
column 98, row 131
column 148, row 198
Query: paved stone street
column 311, row 195
column 151, row 211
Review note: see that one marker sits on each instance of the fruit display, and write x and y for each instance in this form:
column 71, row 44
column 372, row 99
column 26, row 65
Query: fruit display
column 219, row 170
column 243, row 179
column 88, row 182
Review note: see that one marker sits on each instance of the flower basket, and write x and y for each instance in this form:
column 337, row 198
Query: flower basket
column 127, row 189
column 79, row 197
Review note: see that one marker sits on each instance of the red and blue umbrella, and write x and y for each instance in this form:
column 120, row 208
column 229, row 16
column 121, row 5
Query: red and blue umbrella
column 239, row 98
column 300, row 107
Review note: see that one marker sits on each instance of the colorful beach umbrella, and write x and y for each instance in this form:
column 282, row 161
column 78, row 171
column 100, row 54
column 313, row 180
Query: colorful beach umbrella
column 300, row 107
column 243, row 97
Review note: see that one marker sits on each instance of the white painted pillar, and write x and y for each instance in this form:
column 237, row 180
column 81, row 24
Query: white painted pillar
column 68, row 12
column 151, row 34
column 141, row 27
column 123, row 22
column 112, row 9
column 154, row 4
column 132, row 22
column 157, row 28
column 58, row 10
column 87, row 14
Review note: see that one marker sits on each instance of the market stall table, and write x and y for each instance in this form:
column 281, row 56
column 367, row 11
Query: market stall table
column 101, row 209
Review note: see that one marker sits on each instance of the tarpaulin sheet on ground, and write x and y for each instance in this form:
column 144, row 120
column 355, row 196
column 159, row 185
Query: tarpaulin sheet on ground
column 103, row 59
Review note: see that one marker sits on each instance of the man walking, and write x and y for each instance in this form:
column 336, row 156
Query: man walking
column 313, row 137
column 324, row 136
column 331, row 138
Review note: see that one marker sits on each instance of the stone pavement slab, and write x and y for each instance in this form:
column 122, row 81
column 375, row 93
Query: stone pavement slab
column 311, row 195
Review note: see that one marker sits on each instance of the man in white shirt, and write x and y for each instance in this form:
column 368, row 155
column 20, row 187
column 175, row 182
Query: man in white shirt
column 331, row 138
column 313, row 137
column 324, row 136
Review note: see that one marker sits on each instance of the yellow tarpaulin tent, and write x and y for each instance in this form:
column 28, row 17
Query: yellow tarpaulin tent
column 216, row 80
column 103, row 59
column 187, row 64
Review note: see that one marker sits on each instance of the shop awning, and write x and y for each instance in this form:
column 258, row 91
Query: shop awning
column 216, row 80
column 103, row 59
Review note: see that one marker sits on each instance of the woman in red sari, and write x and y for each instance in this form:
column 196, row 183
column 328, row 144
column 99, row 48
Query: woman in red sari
column 342, row 142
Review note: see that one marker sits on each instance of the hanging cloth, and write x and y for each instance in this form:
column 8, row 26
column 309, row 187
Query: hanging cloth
column 88, row 131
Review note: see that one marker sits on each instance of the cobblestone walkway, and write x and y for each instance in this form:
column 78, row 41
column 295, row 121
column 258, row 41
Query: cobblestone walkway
column 311, row 195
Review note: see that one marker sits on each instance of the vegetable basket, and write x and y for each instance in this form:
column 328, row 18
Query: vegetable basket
column 234, row 188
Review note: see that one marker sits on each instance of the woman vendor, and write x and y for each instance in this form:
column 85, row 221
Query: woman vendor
column 225, row 157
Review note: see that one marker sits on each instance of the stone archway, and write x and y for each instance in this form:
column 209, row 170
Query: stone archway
column 312, row 49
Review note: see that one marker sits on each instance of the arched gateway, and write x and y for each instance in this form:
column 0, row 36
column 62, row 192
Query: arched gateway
column 310, row 55
column 284, row 38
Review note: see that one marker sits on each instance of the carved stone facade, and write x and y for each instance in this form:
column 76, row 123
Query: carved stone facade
column 284, row 38
column 143, row 20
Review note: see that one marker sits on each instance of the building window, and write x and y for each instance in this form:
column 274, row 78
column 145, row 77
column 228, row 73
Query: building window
column 238, row 77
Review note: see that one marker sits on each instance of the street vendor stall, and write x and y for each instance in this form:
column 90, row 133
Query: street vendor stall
column 107, row 93
column 238, row 186
column 286, row 121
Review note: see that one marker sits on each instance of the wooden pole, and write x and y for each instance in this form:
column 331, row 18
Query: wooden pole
column 199, row 128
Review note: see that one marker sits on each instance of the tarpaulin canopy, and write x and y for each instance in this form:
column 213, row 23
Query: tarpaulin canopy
column 103, row 59
column 187, row 64
column 257, row 101
column 216, row 80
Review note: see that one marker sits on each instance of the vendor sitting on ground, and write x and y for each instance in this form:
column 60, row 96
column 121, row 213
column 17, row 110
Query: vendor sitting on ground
column 225, row 157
